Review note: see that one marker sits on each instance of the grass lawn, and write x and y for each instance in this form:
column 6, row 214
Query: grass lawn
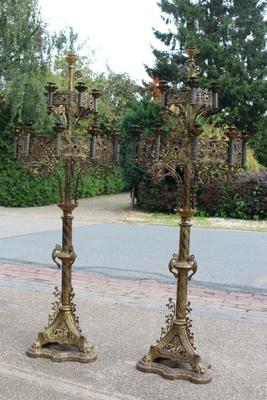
column 198, row 222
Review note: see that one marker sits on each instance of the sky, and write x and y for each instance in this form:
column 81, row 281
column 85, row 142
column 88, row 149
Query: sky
column 119, row 31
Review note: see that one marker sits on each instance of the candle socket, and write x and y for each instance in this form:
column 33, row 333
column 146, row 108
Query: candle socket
column 95, row 94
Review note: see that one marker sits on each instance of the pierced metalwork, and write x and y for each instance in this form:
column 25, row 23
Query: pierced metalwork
column 187, row 156
column 79, row 153
column 168, row 318
column 55, row 306
column 189, row 325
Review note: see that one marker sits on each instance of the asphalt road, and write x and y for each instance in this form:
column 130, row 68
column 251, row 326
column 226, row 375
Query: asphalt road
column 225, row 258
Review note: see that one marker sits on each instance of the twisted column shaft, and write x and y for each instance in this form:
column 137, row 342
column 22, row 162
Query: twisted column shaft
column 67, row 261
column 67, row 247
column 184, row 245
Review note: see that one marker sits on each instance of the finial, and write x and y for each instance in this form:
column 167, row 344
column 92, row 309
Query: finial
column 71, row 58
column 191, row 68
column 192, row 52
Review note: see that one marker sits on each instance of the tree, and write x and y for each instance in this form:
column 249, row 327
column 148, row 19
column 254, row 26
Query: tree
column 230, row 35
column 22, row 65
column 27, row 53
column 118, row 94
column 29, row 57
column 146, row 113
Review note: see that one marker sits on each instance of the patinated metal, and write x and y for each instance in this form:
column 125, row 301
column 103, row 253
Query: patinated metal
column 186, row 157
column 77, row 153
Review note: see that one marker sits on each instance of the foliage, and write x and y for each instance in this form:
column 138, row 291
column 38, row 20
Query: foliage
column 112, row 182
column 23, row 66
column 22, row 63
column 253, row 164
column 160, row 196
column 244, row 196
column 259, row 141
column 118, row 93
column 145, row 113
column 231, row 38
column 18, row 188
column 239, row 198
column 29, row 57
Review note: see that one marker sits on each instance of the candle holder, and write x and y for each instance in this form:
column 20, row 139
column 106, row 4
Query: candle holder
column 187, row 157
column 72, row 150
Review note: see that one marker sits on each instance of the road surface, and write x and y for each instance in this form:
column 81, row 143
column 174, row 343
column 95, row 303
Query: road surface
column 227, row 258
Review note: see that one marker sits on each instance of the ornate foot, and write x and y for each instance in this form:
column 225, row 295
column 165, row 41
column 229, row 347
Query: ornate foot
column 84, row 345
column 197, row 365
column 173, row 356
column 62, row 340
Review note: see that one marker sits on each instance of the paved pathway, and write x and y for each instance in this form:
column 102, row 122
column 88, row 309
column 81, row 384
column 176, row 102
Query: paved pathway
column 122, row 328
column 121, row 317
column 114, row 208
column 148, row 293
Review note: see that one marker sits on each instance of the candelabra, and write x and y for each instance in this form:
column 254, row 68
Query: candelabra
column 73, row 149
column 186, row 156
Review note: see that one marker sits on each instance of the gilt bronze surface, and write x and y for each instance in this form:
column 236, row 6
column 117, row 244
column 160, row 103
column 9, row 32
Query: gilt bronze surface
column 186, row 157
column 68, row 153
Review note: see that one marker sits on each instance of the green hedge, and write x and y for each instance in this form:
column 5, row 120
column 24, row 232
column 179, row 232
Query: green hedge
column 18, row 188
column 243, row 196
column 159, row 197
column 111, row 182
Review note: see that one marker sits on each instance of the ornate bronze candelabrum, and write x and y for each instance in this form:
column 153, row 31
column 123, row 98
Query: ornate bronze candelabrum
column 75, row 147
column 187, row 157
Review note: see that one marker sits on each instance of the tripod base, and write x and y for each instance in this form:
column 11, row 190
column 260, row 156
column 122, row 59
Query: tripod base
column 173, row 370
column 173, row 356
column 62, row 340
column 59, row 353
